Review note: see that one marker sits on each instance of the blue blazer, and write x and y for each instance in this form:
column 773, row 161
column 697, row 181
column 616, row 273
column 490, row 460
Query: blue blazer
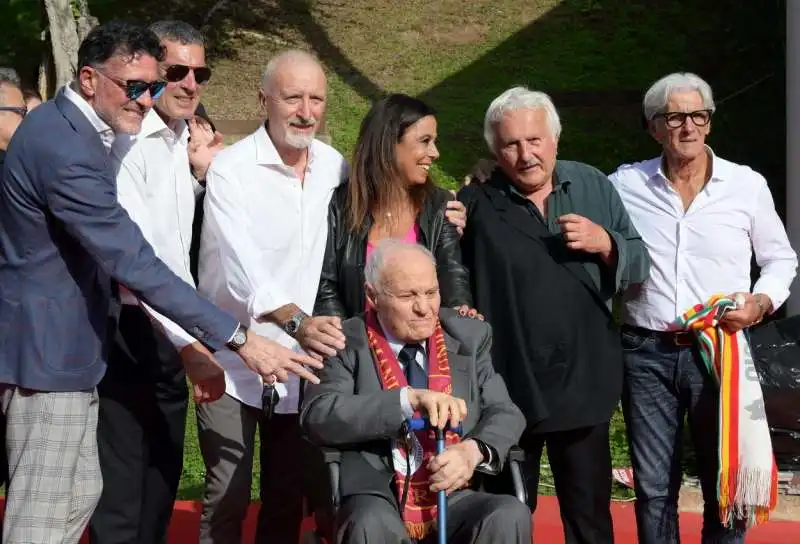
column 63, row 237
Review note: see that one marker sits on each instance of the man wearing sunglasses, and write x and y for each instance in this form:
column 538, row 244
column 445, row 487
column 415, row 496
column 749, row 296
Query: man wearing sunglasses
column 702, row 219
column 65, row 244
column 143, row 396
column 12, row 110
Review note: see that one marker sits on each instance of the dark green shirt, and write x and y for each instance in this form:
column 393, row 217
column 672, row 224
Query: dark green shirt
column 586, row 191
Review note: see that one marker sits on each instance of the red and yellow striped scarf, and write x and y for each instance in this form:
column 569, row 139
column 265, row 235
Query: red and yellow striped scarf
column 419, row 513
column 748, row 478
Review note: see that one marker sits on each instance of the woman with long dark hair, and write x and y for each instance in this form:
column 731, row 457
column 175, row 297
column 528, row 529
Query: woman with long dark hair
column 390, row 195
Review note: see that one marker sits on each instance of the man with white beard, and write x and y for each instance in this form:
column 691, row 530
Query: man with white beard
column 263, row 241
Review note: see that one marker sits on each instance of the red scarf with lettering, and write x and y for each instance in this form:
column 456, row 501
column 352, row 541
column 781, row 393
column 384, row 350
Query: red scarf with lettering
column 419, row 513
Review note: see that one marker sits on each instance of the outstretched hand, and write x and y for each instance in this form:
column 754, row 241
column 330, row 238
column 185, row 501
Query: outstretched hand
column 272, row 361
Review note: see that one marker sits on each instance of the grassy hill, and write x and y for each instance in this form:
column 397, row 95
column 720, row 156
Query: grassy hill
column 595, row 58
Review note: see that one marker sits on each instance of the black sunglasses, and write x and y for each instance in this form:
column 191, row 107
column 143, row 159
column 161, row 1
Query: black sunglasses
column 676, row 119
column 135, row 88
column 21, row 111
column 176, row 72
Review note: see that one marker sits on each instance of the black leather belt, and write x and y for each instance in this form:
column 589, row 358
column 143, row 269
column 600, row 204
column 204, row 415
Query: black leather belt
column 678, row 339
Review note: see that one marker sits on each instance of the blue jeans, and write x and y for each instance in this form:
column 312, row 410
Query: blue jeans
column 663, row 385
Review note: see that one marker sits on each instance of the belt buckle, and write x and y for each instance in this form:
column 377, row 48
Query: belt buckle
column 682, row 339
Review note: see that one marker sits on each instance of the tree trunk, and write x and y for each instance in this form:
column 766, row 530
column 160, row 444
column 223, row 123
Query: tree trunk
column 46, row 76
column 85, row 20
column 64, row 37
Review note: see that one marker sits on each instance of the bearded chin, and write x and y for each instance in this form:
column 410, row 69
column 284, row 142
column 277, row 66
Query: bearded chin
column 298, row 140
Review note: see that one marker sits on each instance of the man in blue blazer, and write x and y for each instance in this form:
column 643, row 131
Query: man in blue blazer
column 63, row 238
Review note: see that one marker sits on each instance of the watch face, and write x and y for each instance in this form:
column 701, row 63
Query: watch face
column 240, row 337
column 293, row 324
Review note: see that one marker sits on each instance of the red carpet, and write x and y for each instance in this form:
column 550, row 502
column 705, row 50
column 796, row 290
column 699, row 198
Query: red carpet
column 547, row 526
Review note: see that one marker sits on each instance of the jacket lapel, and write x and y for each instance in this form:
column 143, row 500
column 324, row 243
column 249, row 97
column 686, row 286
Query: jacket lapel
column 459, row 369
column 514, row 216
column 76, row 118
column 527, row 224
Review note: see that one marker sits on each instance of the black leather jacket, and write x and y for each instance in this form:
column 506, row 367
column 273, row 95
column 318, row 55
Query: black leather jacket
column 341, row 288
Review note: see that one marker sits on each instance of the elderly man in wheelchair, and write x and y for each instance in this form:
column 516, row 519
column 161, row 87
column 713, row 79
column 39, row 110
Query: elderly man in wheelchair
column 407, row 358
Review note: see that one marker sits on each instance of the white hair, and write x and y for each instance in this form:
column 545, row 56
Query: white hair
column 288, row 55
column 657, row 96
column 383, row 253
column 517, row 98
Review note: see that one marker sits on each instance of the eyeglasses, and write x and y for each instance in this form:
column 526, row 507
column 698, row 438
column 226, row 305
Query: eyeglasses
column 21, row 111
column 177, row 72
column 676, row 119
column 135, row 88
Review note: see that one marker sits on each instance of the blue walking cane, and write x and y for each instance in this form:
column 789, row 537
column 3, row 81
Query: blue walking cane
column 419, row 424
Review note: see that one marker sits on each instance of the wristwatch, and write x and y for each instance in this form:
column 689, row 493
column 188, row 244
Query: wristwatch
column 485, row 452
column 238, row 339
column 293, row 325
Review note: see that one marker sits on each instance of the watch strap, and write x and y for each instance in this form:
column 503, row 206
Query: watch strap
column 293, row 324
column 486, row 452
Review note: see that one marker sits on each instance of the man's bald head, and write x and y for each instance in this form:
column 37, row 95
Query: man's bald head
column 293, row 93
column 291, row 58
column 403, row 287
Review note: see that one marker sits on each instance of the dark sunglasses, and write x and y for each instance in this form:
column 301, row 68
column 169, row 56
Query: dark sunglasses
column 135, row 88
column 176, row 72
column 21, row 111
column 676, row 119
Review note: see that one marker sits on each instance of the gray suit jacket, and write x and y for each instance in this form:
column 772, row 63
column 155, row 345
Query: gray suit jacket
column 63, row 237
column 349, row 410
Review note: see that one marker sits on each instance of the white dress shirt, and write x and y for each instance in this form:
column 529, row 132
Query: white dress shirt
column 406, row 411
column 707, row 249
column 264, row 237
column 156, row 187
column 106, row 132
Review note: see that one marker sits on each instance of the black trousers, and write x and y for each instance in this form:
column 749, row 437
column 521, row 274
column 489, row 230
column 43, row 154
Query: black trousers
column 581, row 463
column 140, row 434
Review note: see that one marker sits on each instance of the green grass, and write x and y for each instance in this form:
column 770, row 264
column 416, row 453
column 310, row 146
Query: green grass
column 595, row 57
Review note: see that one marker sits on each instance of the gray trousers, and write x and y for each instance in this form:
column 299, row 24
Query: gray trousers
column 55, row 480
column 472, row 517
column 292, row 473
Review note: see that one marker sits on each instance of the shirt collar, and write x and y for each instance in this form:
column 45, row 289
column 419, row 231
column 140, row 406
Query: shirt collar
column 154, row 125
column 719, row 169
column 394, row 343
column 560, row 184
column 267, row 154
column 106, row 132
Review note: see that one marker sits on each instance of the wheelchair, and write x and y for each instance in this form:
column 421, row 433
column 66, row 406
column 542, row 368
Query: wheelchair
column 333, row 461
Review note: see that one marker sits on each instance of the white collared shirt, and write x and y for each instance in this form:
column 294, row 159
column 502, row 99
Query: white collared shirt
column 106, row 132
column 264, row 237
column 421, row 359
column 156, row 187
column 707, row 249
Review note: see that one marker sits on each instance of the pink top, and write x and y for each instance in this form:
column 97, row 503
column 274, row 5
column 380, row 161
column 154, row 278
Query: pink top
column 411, row 237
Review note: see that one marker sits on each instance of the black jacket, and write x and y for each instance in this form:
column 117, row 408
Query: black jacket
column 555, row 340
column 341, row 288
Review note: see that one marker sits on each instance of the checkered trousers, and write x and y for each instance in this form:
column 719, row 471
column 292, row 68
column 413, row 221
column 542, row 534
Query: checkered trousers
column 55, row 480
